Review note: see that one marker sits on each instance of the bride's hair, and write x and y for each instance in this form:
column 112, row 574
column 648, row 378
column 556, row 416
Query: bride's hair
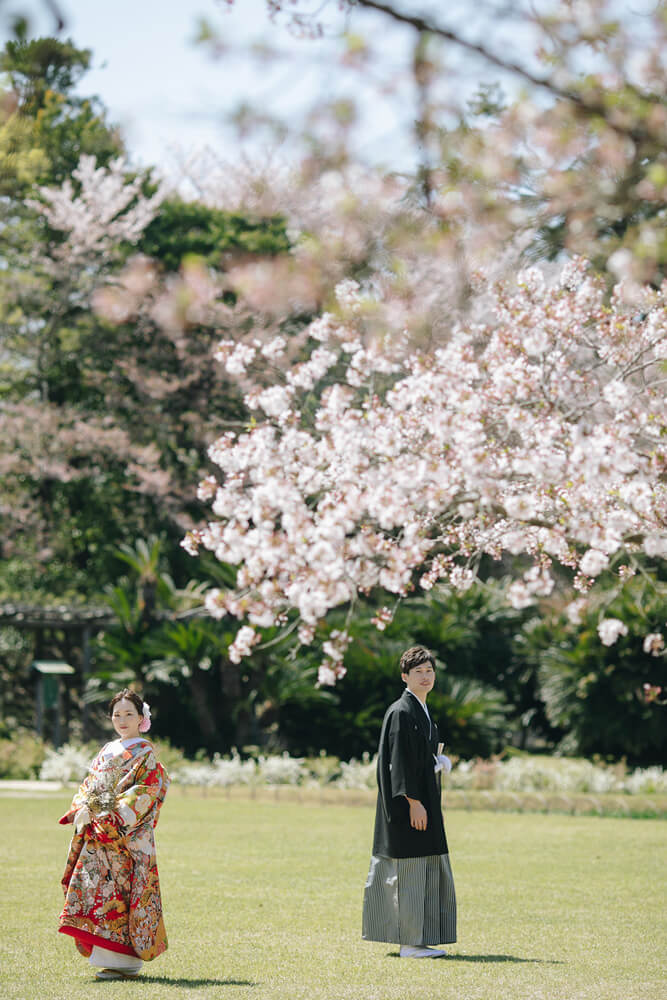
column 127, row 695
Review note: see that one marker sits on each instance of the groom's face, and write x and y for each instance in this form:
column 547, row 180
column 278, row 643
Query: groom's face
column 420, row 679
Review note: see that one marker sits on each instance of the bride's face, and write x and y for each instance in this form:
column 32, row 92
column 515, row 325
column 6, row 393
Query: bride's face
column 125, row 719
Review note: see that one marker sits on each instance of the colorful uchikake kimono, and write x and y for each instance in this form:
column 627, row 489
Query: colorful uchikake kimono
column 113, row 908
column 409, row 897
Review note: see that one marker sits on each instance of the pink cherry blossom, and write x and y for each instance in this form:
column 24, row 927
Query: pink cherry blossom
column 106, row 209
column 593, row 562
column 471, row 448
column 245, row 639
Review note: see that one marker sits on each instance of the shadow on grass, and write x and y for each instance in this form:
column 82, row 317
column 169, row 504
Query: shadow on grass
column 169, row 981
column 491, row 958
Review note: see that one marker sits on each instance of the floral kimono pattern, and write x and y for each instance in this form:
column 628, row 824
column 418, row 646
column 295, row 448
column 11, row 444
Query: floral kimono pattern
column 112, row 890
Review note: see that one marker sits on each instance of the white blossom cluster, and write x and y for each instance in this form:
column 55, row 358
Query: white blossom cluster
column 68, row 763
column 105, row 206
column 505, row 438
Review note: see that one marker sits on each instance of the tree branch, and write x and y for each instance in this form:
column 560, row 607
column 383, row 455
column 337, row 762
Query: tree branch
column 57, row 14
column 589, row 106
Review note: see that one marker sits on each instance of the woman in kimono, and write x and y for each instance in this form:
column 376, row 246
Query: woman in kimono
column 409, row 897
column 112, row 906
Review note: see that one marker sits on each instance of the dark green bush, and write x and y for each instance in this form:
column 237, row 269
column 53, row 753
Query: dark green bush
column 593, row 692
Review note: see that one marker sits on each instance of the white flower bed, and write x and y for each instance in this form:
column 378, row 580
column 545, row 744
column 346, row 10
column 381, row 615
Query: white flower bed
column 553, row 775
column 357, row 773
column 283, row 770
column 520, row 775
column 68, row 763
column 645, row 781
column 220, row 772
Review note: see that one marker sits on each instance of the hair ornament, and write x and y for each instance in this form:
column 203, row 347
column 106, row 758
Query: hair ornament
column 145, row 723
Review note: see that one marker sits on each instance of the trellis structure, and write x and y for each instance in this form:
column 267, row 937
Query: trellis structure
column 83, row 621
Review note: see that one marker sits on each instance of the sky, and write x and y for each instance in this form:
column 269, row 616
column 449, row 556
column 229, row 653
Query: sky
column 169, row 94
column 172, row 97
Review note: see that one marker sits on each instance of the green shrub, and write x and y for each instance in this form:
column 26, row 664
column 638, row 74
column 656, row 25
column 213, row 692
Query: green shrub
column 22, row 756
column 594, row 692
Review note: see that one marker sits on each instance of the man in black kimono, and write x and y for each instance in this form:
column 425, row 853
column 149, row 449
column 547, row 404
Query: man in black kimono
column 409, row 897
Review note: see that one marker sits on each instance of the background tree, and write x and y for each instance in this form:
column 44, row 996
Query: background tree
column 98, row 451
column 54, row 125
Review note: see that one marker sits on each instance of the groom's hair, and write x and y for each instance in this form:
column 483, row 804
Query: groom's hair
column 414, row 657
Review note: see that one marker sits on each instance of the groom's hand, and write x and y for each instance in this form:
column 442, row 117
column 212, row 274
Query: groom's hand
column 418, row 815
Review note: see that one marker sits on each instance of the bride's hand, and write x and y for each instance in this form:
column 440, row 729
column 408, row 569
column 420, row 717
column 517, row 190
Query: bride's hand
column 81, row 819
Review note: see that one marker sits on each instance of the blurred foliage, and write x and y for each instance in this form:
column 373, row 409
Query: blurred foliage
column 184, row 228
column 593, row 692
column 17, row 651
column 46, row 127
column 21, row 756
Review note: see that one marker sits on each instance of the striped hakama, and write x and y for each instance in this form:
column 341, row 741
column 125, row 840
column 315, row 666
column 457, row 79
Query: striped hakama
column 410, row 901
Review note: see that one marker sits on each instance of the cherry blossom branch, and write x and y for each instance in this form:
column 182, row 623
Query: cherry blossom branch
column 368, row 491
column 587, row 105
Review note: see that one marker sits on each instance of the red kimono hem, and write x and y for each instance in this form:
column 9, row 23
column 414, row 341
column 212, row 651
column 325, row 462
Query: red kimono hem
column 93, row 939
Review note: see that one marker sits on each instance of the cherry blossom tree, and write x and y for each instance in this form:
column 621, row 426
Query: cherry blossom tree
column 48, row 439
column 538, row 433
column 61, row 449
column 437, row 413
column 105, row 408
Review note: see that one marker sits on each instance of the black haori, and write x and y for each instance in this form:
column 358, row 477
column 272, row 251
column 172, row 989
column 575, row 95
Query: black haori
column 409, row 897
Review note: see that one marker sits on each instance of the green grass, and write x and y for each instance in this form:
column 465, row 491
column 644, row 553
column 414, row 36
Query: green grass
column 263, row 901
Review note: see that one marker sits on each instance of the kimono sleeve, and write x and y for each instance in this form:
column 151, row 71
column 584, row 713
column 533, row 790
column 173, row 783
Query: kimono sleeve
column 145, row 794
column 402, row 758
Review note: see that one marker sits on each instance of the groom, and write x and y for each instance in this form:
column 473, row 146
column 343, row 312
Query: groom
column 409, row 897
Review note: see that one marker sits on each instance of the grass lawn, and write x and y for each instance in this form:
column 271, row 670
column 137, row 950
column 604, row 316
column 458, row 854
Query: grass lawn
column 263, row 901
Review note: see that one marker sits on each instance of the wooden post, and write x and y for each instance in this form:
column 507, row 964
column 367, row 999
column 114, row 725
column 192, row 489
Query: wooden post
column 57, row 722
column 39, row 715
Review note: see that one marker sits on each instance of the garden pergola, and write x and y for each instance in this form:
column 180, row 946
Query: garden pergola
column 79, row 622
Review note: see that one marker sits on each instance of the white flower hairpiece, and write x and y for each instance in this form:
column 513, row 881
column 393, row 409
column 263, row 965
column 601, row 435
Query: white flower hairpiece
column 145, row 723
